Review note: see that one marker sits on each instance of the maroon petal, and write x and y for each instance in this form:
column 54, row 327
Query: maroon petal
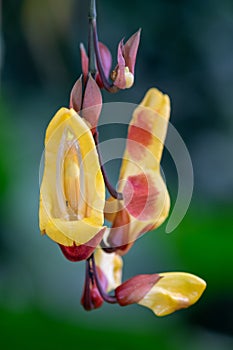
column 76, row 95
column 106, row 59
column 91, row 298
column 120, row 54
column 134, row 289
column 83, row 251
column 131, row 49
column 119, row 240
column 119, row 78
column 92, row 103
column 84, row 62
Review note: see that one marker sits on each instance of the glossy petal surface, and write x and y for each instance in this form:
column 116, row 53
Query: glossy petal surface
column 111, row 266
column 146, row 199
column 72, row 191
column 174, row 291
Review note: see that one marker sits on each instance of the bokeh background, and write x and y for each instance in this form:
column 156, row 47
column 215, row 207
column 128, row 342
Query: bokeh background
column 187, row 52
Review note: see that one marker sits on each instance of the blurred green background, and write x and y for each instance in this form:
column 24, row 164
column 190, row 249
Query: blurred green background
column 187, row 52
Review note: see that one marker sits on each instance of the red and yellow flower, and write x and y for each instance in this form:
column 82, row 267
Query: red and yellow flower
column 73, row 204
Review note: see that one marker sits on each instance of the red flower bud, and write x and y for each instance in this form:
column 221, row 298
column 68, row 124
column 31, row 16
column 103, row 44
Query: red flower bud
column 123, row 75
column 91, row 298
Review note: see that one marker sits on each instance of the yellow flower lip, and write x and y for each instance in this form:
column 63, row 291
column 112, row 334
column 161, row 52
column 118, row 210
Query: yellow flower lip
column 174, row 291
column 72, row 193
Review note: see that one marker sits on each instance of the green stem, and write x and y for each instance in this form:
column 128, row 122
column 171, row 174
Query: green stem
column 92, row 10
column 91, row 45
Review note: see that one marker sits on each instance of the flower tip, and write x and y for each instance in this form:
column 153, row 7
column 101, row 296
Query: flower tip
column 175, row 291
column 76, row 95
column 158, row 102
column 92, row 102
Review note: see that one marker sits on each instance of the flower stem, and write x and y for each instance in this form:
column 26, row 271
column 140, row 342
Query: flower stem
column 91, row 46
column 106, row 297
column 94, row 52
column 111, row 189
column 87, row 303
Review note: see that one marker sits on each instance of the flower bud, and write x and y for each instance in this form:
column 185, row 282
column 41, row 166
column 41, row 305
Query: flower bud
column 91, row 298
column 123, row 74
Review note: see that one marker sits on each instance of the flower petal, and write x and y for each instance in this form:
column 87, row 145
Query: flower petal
column 135, row 288
column 131, row 49
column 106, row 58
column 119, row 72
column 73, row 219
column 174, row 291
column 147, row 130
column 111, row 266
column 83, row 251
column 145, row 196
column 76, row 95
column 92, row 103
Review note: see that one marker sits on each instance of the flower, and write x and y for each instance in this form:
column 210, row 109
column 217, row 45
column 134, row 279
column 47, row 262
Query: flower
column 146, row 202
column 72, row 192
column 123, row 74
column 163, row 293
column 73, row 206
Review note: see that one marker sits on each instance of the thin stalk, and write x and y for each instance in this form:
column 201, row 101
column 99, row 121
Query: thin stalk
column 106, row 297
column 94, row 46
column 86, row 294
column 110, row 188
column 91, row 46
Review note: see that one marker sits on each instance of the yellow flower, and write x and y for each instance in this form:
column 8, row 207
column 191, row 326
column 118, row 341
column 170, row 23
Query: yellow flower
column 146, row 202
column 72, row 193
column 163, row 293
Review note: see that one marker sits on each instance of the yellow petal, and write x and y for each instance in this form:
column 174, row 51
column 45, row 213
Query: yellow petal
column 174, row 291
column 146, row 134
column 158, row 102
column 72, row 192
column 111, row 265
column 148, row 207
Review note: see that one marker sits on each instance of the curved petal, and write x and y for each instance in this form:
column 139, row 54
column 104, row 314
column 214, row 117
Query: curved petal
column 131, row 49
column 174, row 291
column 92, row 103
column 106, row 58
column 145, row 196
column 111, row 266
column 147, row 132
column 72, row 192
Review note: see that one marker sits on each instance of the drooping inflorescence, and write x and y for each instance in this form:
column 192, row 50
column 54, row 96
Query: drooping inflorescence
column 73, row 203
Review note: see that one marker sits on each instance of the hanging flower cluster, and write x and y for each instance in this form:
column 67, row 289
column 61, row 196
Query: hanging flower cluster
column 73, row 204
